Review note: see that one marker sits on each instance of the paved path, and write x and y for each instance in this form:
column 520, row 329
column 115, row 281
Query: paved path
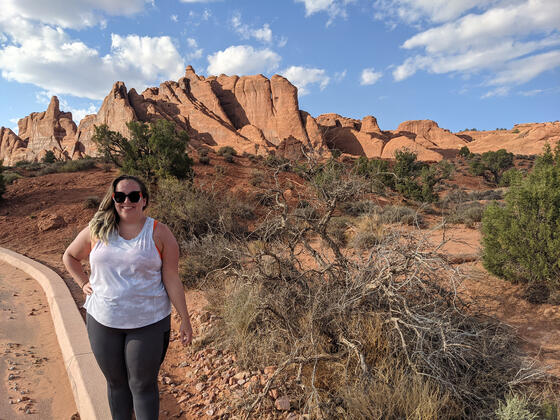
column 34, row 381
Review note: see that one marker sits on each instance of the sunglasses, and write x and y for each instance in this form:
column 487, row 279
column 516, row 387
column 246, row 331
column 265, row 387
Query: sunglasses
column 133, row 196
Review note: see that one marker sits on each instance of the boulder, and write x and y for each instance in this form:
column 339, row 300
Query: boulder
column 12, row 148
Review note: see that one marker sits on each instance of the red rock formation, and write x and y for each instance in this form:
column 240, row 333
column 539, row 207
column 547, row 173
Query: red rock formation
column 50, row 130
column 523, row 139
column 428, row 134
column 12, row 148
column 115, row 111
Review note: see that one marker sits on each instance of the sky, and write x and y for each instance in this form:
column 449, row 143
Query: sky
column 481, row 64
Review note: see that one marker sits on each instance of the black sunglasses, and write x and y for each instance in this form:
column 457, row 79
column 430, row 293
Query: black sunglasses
column 133, row 196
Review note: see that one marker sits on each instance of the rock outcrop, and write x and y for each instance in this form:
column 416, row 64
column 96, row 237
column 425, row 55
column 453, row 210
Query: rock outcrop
column 523, row 139
column 256, row 115
column 427, row 133
column 50, row 130
column 12, row 148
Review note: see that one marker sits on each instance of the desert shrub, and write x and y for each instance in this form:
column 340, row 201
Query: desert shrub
column 401, row 215
column 376, row 170
column 510, row 177
column 2, row 181
column 49, row 157
column 416, row 180
column 21, row 163
column 521, row 240
column 515, row 131
column 495, row 195
column 193, row 212
column 380, row 334
column 368, row 231
column 491, row 165
column 154, row 150
column 75, row 165
column 10, row 177
column 202, row 152
column 202, row 256
column 205, row 160
column 515, row 407
column 357, row 208
column 455, row 197
column 227, row 150
column 337, row 229
column 467, row 213
column 465, row 152
column 257, row 177
column 92, row 202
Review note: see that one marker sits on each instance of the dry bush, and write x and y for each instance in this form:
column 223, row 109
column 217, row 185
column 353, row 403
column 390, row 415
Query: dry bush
column 467, row 213
column 368, row 232
column 376, row 334
column 196, row 211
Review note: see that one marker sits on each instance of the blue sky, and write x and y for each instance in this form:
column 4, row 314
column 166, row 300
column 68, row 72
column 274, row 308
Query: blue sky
column 482, row 64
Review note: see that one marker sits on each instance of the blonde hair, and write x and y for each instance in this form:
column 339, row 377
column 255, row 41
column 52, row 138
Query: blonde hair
column 105, row 221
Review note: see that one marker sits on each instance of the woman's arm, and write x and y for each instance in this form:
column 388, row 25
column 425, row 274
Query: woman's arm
column 171, row 280
column 77, row 251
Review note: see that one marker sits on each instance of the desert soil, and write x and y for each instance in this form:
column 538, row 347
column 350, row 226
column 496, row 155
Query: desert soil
column 202, row 381
column 34, row 383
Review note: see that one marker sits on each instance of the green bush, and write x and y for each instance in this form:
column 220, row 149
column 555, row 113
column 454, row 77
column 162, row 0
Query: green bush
column 204, row 160
column 521, row 240
column 416, row 180
column 2, row 181
column 492, row 165
column 516, row 407
column 510, row 177
column 228, row 157
column 49, row 157
column 154, row 151
column 377, row 170
column 77, row 165
column 192, row 212
column 10, row 177
column 227, row 150
column 465, row 152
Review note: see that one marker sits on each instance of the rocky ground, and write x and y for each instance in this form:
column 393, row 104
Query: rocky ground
column 41, row 215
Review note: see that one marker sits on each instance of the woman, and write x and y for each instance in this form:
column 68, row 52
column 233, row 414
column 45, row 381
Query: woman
column 134, row 277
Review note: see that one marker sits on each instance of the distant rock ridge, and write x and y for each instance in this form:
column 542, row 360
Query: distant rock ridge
column 252, row 114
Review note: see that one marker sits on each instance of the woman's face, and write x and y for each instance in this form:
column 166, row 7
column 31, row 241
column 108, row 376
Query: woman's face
column 128, row 210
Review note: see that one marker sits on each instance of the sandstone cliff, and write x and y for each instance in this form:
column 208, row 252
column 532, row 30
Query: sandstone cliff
column 256, row 115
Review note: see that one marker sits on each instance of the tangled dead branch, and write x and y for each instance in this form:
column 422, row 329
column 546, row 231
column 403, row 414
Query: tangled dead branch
column 375, row 334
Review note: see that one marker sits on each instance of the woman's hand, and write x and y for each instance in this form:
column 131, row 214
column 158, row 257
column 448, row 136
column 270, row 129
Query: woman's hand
column 186, row 332
column 86, row 288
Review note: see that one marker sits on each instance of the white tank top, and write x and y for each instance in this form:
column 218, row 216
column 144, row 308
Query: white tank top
column 128, row 291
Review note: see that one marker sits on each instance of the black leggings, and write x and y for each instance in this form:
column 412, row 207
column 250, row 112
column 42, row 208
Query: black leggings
column 130, row 360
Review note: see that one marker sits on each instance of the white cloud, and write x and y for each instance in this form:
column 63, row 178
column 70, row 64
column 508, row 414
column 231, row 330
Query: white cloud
column 195, row 52
column 243, row 60
column 263, row 34
column 499, row 91
column 175, row 18
column 505, row 41
column 301, row 77
column 370, row 76
column 333, row 8
column 340, row 75
column 49, row 58
column 522, row 70
column 412, row 11
column 70, row 14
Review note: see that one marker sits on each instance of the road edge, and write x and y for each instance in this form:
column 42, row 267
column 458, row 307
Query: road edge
column 86, row 380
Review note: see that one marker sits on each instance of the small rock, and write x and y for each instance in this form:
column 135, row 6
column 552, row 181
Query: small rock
column 269, row 370
column 241, row 381
column 166, row 380
column 199, row 386
column 282, row 403
column 273, row 393
column 210, row 412
column 11, row 377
